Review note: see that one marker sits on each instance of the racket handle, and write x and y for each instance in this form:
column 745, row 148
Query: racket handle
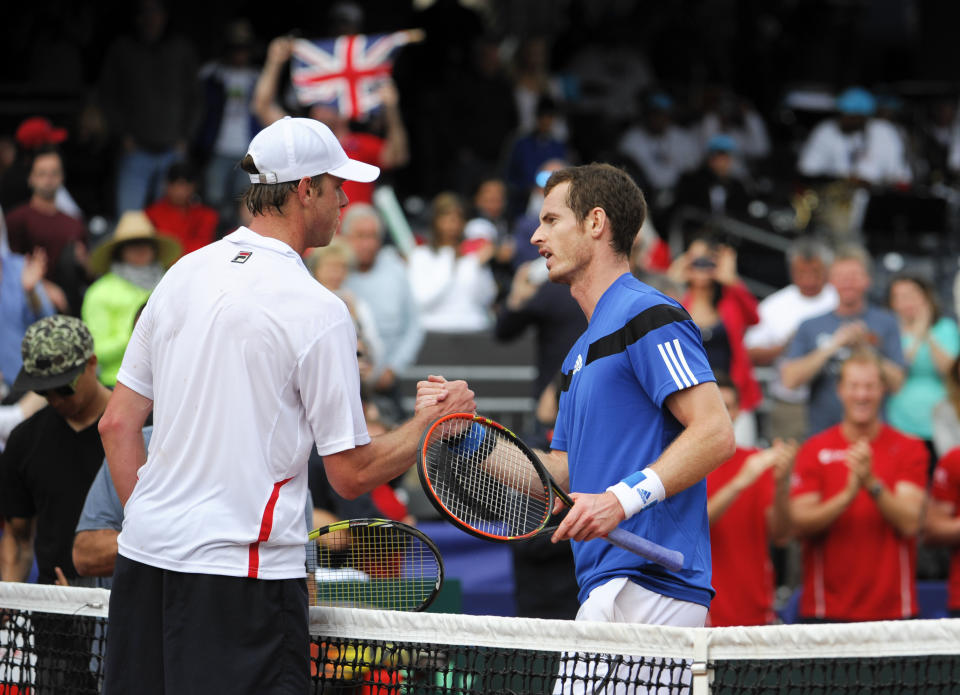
column 671, row 559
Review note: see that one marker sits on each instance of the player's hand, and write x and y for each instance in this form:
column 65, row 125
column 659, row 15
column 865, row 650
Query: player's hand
column 446, row 396
column 592, row 516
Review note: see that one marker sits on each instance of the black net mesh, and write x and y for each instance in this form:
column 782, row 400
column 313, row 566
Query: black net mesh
column 46, row 652
column 893, row 675
column 375, row 667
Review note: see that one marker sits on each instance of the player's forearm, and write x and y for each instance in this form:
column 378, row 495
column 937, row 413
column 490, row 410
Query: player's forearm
column 702, row 446
column 95, row 552
column 357, row 471
column 125, row 453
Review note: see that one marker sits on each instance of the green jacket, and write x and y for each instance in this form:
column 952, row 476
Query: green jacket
column 109, row 307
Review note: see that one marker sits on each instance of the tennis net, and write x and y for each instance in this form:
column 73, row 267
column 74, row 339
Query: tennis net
column 52, row 640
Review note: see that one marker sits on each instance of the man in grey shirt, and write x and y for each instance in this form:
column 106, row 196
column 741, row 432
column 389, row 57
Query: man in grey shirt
column 823, row 342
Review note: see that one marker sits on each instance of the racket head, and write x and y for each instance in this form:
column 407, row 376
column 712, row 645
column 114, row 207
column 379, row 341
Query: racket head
column 497, row 490
column 373, row 563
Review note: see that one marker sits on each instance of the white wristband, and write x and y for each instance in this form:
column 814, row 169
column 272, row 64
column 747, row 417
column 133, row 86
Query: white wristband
column 637, row 492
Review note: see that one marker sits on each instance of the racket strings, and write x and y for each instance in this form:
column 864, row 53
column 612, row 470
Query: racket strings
column 492, row 486
column 371, row 566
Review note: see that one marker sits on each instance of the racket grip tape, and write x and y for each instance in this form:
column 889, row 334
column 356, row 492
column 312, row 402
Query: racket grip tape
column 671, row 559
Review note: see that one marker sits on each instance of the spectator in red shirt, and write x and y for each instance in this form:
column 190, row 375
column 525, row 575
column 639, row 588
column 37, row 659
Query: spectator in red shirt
column 180, row 214
column 857, row 501
column 39, row 224
column 943, row 521
column 748, row 508
column 389, row 152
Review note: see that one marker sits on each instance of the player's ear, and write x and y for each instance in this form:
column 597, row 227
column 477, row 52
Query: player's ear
column 596, row 221
column 304, row 190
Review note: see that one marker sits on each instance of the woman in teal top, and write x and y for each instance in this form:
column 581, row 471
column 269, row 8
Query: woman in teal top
column 930, row 344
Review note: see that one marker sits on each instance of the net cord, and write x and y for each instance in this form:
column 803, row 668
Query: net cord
column 834, row 641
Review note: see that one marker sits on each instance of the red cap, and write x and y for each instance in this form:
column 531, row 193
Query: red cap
column 37, row 131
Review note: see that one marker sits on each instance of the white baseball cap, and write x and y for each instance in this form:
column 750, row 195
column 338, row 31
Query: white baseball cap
column 291, row 148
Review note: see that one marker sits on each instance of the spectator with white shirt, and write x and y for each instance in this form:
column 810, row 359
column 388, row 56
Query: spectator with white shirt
column 855, row 145
column 454, row 290
column 662, row 150
column 808, row 295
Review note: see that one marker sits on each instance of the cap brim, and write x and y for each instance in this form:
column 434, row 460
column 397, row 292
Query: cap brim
column 352, row 170
column 27, row 382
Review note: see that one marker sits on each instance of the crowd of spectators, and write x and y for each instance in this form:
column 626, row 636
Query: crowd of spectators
column 817, row 374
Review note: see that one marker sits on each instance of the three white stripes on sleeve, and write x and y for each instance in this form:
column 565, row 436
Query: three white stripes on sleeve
column 672, row 355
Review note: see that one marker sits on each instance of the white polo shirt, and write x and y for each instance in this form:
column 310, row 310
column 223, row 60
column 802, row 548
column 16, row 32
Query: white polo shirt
column 249, row 362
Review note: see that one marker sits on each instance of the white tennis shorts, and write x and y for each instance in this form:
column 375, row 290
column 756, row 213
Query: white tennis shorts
column 622, row 601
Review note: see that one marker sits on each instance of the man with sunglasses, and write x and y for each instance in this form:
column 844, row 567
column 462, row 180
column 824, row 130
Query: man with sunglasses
column 48, row 465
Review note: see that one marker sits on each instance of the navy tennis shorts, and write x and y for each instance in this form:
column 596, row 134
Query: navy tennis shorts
column 172, row 632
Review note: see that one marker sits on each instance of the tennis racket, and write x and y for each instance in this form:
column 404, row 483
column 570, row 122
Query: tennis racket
column 373, row 563
column 480, row 476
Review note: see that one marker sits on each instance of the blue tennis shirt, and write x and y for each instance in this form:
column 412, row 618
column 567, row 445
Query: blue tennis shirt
column 639, row 347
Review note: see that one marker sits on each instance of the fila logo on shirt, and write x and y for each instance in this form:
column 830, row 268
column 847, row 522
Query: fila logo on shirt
column 242, row 257
column 672, row 355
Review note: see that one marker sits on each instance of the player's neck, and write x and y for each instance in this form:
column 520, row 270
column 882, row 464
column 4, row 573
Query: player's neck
column 281, row 228
column 594, row 280
column 853, row 431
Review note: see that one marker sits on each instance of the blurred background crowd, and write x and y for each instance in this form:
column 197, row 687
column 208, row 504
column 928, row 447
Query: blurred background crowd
column 800, row 162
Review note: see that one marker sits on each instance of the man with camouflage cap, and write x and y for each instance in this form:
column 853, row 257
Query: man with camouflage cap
column 52, row 457
column 46, row 469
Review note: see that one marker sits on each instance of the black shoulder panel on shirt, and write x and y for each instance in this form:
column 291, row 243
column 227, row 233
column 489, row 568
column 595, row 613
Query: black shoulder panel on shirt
column 647, row 320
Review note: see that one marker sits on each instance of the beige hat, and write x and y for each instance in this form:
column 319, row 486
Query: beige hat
column 134, row 225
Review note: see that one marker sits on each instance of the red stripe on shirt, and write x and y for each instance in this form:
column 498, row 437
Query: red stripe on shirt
column 266, row 525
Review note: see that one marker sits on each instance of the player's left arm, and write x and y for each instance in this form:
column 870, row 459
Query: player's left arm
column 705, row 442
column 121, row 429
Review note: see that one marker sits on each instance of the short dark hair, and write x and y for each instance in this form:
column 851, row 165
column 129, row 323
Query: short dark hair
column 259, row 197
column 183, row 171
column 609, row 188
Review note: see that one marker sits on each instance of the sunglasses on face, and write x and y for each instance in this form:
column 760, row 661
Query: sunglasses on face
column 64, row 391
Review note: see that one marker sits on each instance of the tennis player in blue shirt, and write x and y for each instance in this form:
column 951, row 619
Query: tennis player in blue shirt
column 641, row 420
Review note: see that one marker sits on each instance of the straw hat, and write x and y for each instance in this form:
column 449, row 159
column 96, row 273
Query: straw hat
column 133, row 226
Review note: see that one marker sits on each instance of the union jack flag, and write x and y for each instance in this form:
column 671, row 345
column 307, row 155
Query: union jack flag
column 344, row 72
